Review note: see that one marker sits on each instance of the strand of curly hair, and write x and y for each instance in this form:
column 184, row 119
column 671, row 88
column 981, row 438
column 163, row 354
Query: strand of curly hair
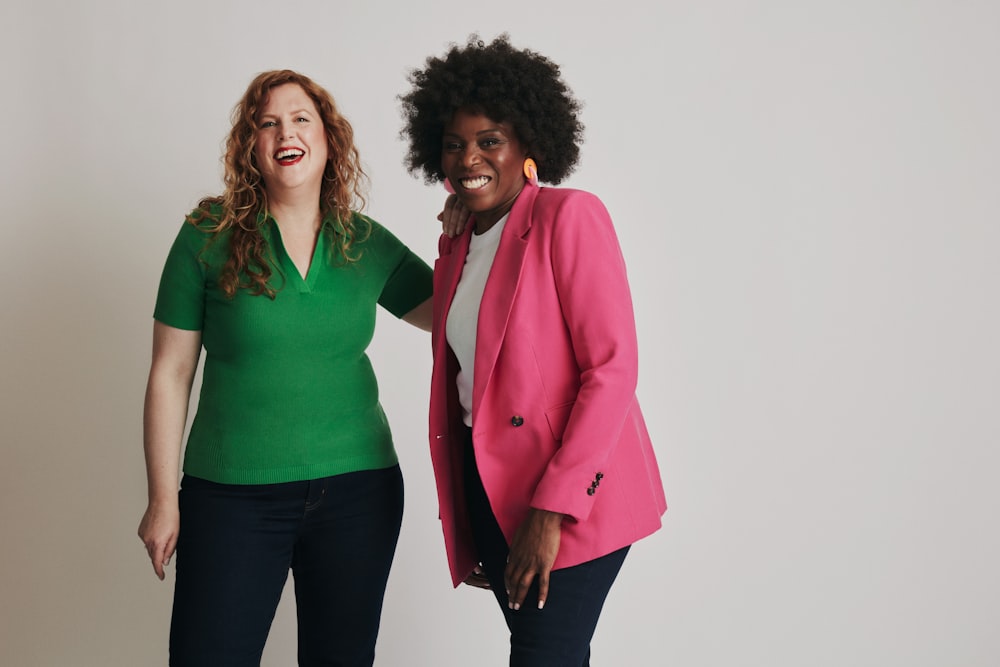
column 243, row 202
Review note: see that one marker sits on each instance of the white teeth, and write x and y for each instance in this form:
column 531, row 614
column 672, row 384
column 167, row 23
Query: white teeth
column 474, row 183
column 289, row 152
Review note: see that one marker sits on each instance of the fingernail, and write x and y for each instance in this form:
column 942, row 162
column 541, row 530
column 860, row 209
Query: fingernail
column 516, row 606
column 541, row 604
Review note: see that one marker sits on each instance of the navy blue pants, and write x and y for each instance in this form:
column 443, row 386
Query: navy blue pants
column 558, row 635
column 237, row 543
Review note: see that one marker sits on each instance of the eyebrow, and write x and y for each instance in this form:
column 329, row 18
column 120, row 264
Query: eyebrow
column 492, row 130
column 297, row 111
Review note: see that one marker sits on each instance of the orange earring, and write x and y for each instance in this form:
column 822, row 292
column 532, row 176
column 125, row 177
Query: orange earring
column 531, row 170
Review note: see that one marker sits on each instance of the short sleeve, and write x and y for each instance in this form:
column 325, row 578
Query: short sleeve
column 410, row 280
column 180, row 300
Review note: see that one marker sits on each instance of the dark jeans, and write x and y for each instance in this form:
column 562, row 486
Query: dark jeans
column 558, row 635
column 237, row 543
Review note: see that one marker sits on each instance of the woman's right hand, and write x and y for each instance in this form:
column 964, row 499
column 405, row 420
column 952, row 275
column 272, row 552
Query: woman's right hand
column 158, row 530
column 175, row 359
column 478, row 579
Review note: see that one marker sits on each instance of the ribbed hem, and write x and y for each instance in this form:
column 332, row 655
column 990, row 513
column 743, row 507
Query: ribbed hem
column 292, row 474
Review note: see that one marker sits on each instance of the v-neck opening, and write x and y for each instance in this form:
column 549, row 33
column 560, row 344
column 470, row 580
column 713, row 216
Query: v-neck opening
column 302, row 283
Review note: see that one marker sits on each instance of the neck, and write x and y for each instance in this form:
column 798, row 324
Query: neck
column 297, row 213
column 483, row 226
column 486, row 219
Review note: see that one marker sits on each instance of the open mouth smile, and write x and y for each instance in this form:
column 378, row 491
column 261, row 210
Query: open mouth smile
column 474, row 183
column 289, row 156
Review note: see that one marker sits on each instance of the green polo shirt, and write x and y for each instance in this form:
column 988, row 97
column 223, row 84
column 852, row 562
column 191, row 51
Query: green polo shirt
column 288, row 392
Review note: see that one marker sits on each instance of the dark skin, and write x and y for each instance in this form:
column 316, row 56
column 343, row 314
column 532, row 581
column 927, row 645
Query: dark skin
column 483, row 159
column 532, row 553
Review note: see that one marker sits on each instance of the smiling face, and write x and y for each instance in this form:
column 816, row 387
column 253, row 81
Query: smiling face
column 291, row 143
column 484, row 161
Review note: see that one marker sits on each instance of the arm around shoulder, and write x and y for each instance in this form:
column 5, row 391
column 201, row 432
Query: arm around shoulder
column 421, row 316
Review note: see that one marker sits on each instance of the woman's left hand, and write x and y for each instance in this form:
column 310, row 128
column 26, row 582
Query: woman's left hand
column 532, row 553
column 454, row 217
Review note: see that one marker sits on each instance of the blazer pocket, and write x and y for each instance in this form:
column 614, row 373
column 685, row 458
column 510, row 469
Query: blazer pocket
column 558, row 417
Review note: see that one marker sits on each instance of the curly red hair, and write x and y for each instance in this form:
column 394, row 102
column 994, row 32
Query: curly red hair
column 244, row 199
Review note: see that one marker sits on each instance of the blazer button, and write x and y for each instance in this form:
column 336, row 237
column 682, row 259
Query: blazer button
column 591, row 491
column 516, row 420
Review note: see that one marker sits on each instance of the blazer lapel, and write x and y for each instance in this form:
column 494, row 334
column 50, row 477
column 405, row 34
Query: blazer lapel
column 501, row 286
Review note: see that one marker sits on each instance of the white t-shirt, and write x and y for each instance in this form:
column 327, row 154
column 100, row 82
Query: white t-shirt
column 463, row 316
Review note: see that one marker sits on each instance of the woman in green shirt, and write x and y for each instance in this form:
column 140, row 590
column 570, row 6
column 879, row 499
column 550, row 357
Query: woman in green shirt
column 289, row 463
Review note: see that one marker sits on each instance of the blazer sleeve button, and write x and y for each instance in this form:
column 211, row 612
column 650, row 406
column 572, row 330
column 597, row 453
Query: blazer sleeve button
column 516, row 420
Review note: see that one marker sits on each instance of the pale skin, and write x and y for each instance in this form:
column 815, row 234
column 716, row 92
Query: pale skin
column 452, row 223
column 287, row 120
column 483, row 160
column 175, row 358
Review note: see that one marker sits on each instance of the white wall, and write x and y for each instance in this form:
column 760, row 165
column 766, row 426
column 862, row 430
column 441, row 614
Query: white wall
column 807, row 197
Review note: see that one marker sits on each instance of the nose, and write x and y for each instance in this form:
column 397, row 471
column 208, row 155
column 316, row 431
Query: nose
column 286, row 131
column 470, row 156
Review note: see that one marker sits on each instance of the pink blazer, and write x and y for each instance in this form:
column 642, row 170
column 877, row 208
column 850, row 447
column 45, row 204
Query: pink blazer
column 556, row 423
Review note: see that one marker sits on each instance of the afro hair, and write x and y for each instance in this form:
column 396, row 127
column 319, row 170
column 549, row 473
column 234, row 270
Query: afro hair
column 518, row 86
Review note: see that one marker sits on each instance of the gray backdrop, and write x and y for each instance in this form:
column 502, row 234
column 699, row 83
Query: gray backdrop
column 807, row 198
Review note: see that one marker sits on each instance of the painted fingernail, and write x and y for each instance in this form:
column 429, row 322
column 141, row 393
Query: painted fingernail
column 541, row 604
column 516, row 606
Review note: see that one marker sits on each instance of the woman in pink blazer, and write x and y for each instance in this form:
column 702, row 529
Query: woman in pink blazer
column 545, row 471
